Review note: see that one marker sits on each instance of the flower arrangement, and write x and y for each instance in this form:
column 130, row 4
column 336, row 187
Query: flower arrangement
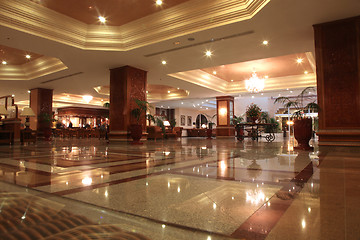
column 253, row 111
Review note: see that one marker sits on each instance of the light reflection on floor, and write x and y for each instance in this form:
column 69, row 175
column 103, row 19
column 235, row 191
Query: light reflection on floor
column 249, row 189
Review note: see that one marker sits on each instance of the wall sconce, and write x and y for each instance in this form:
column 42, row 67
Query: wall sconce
column 27, row 112
column 223, row 111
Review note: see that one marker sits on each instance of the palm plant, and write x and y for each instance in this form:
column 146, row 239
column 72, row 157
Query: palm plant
column 298, row 103
column 143, row 107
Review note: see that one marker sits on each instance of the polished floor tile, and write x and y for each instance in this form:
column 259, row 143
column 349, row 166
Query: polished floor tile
column 219, row 188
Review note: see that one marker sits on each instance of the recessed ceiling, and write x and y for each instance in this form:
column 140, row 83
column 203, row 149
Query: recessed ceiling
column 271, row 67
column 116, row 12
column 15, row 56
column 154, row 92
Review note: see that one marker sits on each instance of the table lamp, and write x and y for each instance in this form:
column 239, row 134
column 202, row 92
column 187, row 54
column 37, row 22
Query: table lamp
column 27, row 112
column 4, row 112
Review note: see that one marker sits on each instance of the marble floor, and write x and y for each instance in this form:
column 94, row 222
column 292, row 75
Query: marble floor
column 190, row 188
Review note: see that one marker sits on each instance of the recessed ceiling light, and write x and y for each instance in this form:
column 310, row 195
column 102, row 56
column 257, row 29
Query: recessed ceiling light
column 214, row 72
column 287, row 89
column 202, row 102
column 27, row 56
column 178, row 88
column 102, row 19
column 147, row 91
column 13, row 95
column 299, row 60
column 159, row 2
column 252, row 97
column 182, row 103
column 266, row 76
column 198, row 104
column 232, row 80
column 306, row 72
column 168, row 91
column 291, row 91
column 163, row 62
column 29, row 91
column 207, row 100
column 265, row 42
column 4, row 62
column 208, row 53
column 207, row 108
column 262, row 94
column 162, row 106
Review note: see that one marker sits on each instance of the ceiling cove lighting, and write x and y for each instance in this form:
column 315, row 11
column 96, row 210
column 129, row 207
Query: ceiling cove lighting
column 255, row 84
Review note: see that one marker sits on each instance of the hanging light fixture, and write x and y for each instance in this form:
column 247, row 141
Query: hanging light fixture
column 255, row 84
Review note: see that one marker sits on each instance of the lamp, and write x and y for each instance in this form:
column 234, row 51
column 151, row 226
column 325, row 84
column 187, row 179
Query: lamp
column 4, row 112
column 254, row 84
column 27, row 112
column 166, row 123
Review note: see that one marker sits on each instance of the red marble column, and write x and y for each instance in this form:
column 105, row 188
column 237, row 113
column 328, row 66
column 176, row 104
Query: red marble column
column 225, row 114
column 337, row 46
column 126, row 84
column 41, row 104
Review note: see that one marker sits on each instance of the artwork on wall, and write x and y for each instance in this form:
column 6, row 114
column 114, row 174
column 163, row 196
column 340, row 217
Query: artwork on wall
column 189, row 123
column 182, row 120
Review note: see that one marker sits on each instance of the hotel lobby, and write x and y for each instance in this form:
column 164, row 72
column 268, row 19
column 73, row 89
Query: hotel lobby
column 200, row 65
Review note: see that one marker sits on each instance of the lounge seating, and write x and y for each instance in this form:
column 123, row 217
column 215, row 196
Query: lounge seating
column 154, row 132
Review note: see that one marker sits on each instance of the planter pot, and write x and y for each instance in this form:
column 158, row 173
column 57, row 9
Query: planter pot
column 239, row 132
column 303, row 133
column 209, row 133
column 136, row 133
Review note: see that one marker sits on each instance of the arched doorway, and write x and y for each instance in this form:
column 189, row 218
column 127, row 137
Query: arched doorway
column 200, row 120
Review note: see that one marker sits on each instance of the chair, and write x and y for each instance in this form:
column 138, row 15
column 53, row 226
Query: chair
column 154, row 132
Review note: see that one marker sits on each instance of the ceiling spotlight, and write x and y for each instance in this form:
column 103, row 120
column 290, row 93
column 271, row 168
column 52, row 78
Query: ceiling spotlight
column 265, row 42
column 4, row 62
column 291, row 91
column 29, row 91
column 159, row 2
column 266, row 76
column 27, row 56
column 252, row 97
column 207, row 108
column 231, row 80
column 163, row 62
column 299, row 60
column 178, row 88
column 182, row 103
column 102, row 19
column 13, row 95
column 168, row 91
column 214, row 72
column 208, row 53
column 306, row 72
column 207, row 100
column 147, row 91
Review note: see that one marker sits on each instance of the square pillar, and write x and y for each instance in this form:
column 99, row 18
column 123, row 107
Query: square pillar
column 337, row 46
column 126, row 84
column 225, row 115
column 41, row 103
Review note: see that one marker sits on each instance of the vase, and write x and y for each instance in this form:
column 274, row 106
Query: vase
column 136, row 133
column 303, row 133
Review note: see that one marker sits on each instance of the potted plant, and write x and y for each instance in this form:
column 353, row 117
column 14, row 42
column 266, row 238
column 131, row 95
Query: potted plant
column 253, row 112
column 211, row 124
column 45, row 123
column 137, row 113
column 302, row 124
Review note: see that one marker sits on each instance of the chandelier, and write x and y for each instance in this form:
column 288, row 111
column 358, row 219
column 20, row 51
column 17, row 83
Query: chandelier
column 255, row 84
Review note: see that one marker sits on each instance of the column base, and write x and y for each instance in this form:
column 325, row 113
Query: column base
column 339, row 137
